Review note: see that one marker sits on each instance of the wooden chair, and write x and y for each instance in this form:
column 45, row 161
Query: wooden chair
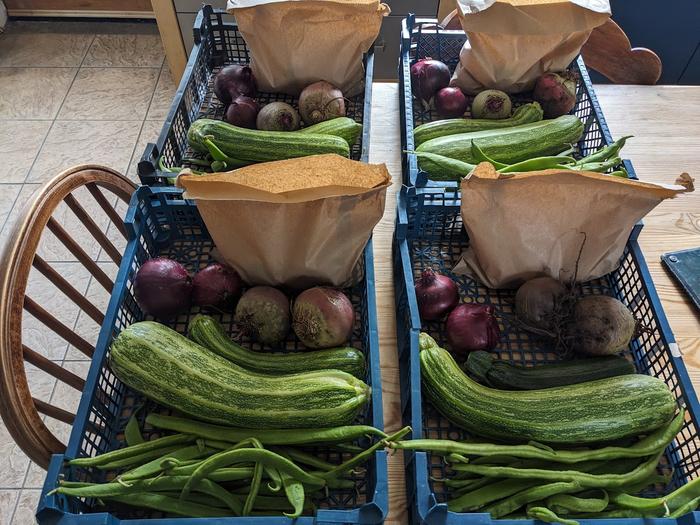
column 607, row 51
column 20, row 411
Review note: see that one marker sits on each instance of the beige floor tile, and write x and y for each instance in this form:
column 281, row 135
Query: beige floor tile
column 26, row 507
column 125, row 50
column 67, row 397
column 163, row 96
column 8, row 502
column 33, row 93
column 13, row 463
column 30, row 49
column 50, row 26
column 20, row 141
column 69, row 143
column 23, row 199
column 35, row 477
column 110, row 94
column 149, row 133
column 8, row 195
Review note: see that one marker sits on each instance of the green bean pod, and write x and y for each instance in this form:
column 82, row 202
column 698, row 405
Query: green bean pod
column 135, row 450
column 514, row 502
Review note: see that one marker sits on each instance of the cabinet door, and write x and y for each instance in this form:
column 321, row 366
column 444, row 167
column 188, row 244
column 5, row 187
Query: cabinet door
column 691, row 75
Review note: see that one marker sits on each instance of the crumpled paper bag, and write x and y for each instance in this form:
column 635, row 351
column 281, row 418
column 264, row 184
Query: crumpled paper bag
column 512, row 42
column 294, row 43
column 525, row 225
column 298, row 222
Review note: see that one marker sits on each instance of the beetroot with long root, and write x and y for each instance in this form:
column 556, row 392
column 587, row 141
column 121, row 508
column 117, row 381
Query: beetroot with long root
column 322, row 317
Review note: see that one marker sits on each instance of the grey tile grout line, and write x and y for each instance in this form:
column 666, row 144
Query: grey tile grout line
column 87, row 49
column 80, row 66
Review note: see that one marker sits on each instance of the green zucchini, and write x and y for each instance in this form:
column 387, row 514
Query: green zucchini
column 524, row 114
column 507, row 376
column 602, row 410
column 510, row 145
column 343, row 127
column 262, row 146
column 207, row 332
column 169, row 368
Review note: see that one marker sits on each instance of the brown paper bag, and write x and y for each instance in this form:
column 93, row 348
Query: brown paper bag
column 297, row 222
column 512, row 42
column 525, row 225
column 294, row 43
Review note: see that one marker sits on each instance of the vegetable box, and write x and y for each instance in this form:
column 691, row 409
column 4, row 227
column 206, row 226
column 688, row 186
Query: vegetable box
column 216, row 44
column 423, row 37
column 429, row 234
column 161, row 223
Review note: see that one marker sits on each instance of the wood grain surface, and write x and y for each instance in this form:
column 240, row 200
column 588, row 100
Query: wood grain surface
column 665, row 122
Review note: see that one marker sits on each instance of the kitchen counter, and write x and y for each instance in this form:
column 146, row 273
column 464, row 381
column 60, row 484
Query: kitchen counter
column 665, row 122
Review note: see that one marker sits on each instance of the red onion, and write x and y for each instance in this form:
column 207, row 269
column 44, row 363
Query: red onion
column 556, row 93
column 233, row 81
column 322, row 317
column 242, row 112
column 472, row 327
column 436, row 294
column 162, row 287
column 263, row 314
column 428, row 76
column 216, row 285
column 450, row 102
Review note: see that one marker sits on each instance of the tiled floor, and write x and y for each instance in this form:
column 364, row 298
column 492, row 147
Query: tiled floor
column 70, row 93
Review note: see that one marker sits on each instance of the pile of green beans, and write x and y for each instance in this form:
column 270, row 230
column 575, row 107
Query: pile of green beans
column 559, row 486
column 206, row 470
column 440, row 167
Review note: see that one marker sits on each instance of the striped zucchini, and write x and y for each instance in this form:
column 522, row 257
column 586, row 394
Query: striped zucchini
column 510, row 145
column 262, row 146
column 602, row 410
column 524, row 114
column 206, row 331
column 343, row 127
column 169, row 368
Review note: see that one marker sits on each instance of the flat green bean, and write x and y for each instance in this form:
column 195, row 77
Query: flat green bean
column 304, row 457
column 690, row 506
column 298, row 436
column 480, row 156
column 162, row 503
column 583, row 478
column 155, row 466
column 294, row 491
column 577, row 503
column 255, row 483
column 647, row 446
column 139, row 459
column 537, row 163
column 548, row 516
column 606, row 152
column 484, row 495
column 514, row 502
column 132, row 432
column 115, row 455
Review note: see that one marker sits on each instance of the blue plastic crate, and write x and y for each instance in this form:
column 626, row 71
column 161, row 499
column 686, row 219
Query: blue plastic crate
column 160, row 222
column 429, row 233
column 423, row 37
column 216, row 44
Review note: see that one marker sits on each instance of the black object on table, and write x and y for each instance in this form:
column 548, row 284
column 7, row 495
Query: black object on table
column 685, row 267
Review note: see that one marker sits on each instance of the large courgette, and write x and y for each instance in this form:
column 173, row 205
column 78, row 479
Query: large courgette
column 169, row 368
column 206, row 331
column 262, row 146
column 510, row 145
column 602, row 410
column 525, row 114
column 507, row 376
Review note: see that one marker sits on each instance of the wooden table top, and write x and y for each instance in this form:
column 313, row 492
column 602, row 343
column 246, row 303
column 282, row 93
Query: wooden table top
column 665, row 122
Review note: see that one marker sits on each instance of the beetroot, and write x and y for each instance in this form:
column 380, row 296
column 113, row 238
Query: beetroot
column 556, row 93
column 322, row 317
column 321, row 101
column 162, row 287
column 601, row 325
column 492, row 104
column 263, row 314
